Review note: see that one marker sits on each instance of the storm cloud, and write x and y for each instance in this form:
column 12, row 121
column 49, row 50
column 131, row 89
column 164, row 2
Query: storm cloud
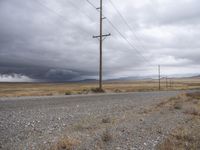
column 51, row 40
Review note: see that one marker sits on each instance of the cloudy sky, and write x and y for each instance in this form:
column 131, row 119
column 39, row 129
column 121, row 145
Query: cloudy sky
column 51, row 40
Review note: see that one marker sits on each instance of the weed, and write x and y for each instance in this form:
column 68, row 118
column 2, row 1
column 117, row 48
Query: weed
column 183, row 138
column 192, row 111
column 66, row 143
column 178, row 106
column 78, row 127
column 106, row 120
column 68, row 93
column 97, row 90
column 106, row 136
column 195, row 95
column 117, row 91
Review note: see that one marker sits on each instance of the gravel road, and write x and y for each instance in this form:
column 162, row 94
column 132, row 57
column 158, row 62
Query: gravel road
column 105, row 121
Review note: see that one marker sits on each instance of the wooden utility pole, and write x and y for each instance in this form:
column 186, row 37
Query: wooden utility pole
column 101, row 43
column 166, row 83
column 171, row 82
column 159, row 77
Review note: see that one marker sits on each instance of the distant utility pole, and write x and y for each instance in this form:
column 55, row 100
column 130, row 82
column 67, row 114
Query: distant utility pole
column 166, row 82
column 101, row 43
column 171, row 83
column 159, row 77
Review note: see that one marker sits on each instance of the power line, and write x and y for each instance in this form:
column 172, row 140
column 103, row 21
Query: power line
column 122, row 36
column 114, row 27
column 78, row 8
column 82, row 12
column 127, row 24
column 130, row 44
column 57, row 14
column 64, row 19
column 92, row 4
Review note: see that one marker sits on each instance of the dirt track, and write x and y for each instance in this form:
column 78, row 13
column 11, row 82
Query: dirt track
column 129, row 121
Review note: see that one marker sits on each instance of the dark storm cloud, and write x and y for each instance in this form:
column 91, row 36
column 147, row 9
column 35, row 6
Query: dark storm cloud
column 52, row 40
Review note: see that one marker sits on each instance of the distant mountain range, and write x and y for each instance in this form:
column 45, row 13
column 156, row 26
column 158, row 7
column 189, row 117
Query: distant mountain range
column 196, row 76
column 136, row 78
column 116, row 79
column 131, row 78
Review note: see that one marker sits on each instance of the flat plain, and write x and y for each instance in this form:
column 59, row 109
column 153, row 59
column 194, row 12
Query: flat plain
column 49, row 89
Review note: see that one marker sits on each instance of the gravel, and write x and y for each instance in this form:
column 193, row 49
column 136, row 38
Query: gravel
column 40, row 122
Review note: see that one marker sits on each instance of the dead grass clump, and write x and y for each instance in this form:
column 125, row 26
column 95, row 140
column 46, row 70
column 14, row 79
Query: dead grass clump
column 66, row 143
column 78, row 127
column 196, row 102
column 178, row 106
column 195, row 95
column 186, row 137
column 167, row 103
column 172, row 103
column 168, row 144
column 85, row 91
column 81, row 128
column 106, row 120
column 181, row 139
column 97, row 90
column 68, row 93
column 117, row 91
column 192, row 111
column 106, row 136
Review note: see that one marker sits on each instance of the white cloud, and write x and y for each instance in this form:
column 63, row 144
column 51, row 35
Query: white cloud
column 15, row 78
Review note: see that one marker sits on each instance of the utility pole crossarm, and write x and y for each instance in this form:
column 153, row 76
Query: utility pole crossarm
column 104, row 35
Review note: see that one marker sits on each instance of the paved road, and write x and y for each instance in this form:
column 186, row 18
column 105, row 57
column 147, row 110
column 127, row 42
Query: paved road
column 37, row 122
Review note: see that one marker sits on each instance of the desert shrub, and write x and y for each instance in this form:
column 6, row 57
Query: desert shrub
column 68, row 93
column 97, row 90
column 85, row 91
column 178, row 106
column 117, row 91
column 106, row 120
column 65, row 144
column 192, row 111
column 195, row 95
column 106, row 136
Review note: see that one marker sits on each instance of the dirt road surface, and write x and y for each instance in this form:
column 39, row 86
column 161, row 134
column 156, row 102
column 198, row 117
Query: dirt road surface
column 106, row 121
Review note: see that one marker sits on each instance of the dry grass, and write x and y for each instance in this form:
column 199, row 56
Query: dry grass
column 178, row 105
column 195, row 95
column 106, row 136
column 68, row 93
column 172, row 103
column 193, row 110
column 65, row 143
column 106, row 120
column 48, row 89
column 97, row 90
column 187, row 136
